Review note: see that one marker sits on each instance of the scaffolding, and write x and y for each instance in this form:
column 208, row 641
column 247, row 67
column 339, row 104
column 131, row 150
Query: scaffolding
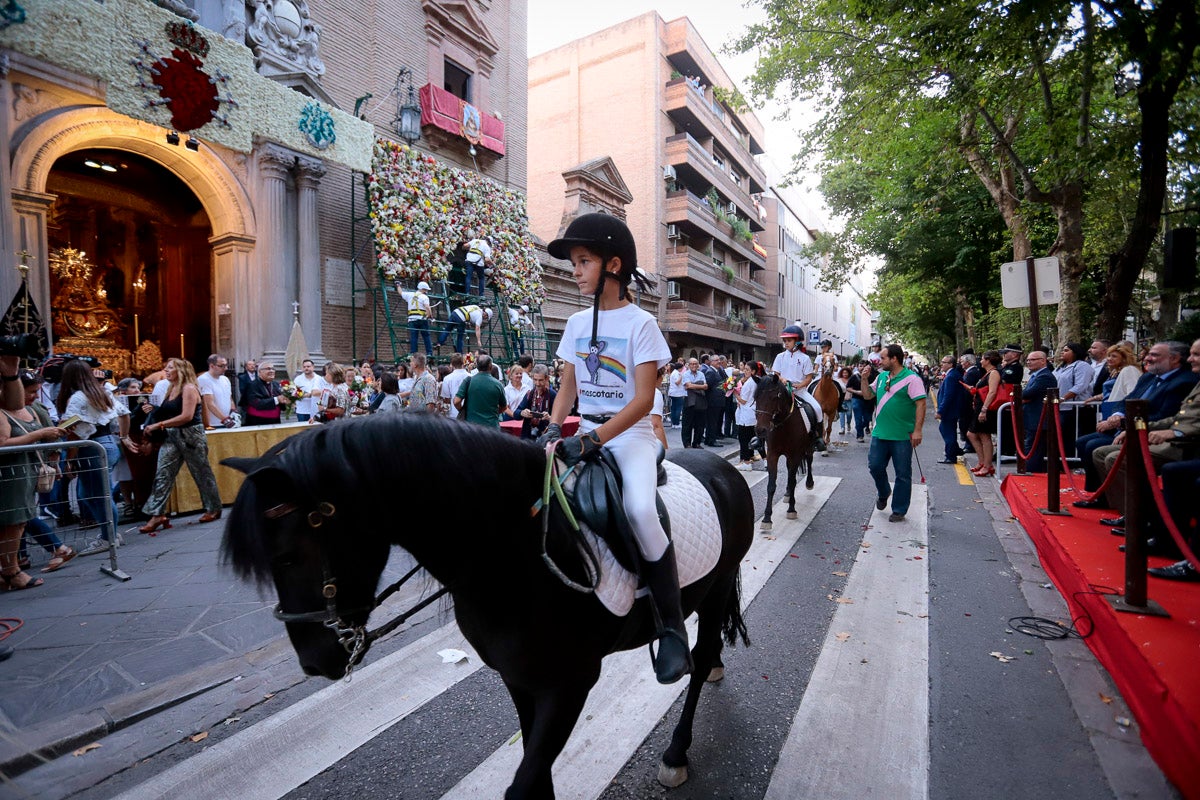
column 389, row 312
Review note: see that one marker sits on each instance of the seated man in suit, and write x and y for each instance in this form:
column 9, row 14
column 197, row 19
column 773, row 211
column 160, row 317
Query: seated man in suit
column 1164, row 384
column 1174, row 439
column 1033, row 399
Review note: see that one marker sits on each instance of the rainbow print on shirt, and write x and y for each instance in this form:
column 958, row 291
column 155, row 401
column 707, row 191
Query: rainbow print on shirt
column 595, row 361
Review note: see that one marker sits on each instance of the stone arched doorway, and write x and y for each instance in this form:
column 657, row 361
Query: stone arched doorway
column 221, row 222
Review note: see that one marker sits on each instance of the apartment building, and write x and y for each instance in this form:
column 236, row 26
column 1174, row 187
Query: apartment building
column 650, row 96
column 794, row 297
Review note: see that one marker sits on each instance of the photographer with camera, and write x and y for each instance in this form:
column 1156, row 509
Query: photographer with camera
column 13, row 396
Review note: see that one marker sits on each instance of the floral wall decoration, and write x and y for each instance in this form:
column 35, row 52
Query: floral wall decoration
column 422, row 208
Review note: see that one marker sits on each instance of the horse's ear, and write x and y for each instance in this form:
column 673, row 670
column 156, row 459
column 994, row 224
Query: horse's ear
column 240, row 463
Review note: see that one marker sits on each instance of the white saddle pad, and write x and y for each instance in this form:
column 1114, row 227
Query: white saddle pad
column 695, row 531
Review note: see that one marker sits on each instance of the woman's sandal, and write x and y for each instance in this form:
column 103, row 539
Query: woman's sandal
column 154, row 524
column 210, row 516
column 61, row 556
column 13, row 581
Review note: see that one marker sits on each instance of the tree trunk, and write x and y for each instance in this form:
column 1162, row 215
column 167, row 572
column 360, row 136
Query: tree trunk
column 1126, row 264
column 1068, row 209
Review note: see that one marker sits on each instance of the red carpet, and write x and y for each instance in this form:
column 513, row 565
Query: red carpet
column 1152, row 660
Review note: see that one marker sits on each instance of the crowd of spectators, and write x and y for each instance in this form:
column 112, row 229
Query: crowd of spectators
column 1094, row 384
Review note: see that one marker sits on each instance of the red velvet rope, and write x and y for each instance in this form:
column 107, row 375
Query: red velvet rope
column 1108, row 479
column 1036, row 438
column 1160, row 501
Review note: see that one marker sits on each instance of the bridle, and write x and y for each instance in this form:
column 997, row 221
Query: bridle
column 778, row 417
column 354, row 639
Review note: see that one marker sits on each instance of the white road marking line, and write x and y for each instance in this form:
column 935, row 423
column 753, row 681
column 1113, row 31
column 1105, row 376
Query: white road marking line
column 840, row 744
column 272, row 757
column 626, row 703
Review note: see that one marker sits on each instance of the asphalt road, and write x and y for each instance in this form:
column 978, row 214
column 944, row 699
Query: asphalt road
column 1034, row 724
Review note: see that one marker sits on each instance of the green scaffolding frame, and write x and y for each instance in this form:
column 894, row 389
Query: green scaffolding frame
column 383, row 302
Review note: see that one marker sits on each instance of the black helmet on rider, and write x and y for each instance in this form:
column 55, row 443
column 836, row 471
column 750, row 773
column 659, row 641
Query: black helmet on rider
column 827, row 343
column 606, row 236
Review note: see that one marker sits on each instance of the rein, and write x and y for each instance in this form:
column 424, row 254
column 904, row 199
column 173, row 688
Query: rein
column 552, row 483
column 355, row 639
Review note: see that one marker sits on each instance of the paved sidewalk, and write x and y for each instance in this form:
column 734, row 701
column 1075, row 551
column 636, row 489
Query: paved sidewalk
column 89, row 640
column 95, row 654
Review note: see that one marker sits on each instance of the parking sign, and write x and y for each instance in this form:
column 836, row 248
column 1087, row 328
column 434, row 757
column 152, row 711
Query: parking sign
column 814, row 336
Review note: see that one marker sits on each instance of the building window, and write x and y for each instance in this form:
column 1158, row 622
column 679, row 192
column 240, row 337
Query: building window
column 781, row 286
column 457, row 81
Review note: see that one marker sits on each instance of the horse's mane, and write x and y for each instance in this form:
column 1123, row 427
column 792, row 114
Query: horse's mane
column 367, row 467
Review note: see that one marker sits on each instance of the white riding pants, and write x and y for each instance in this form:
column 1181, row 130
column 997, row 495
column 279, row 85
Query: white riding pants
column 636, row 451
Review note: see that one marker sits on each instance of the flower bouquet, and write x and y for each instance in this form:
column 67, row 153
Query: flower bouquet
column 289, row 394
column 730, row 386
column 360, row 395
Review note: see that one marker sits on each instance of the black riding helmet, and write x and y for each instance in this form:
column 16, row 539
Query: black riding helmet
column 605, row 235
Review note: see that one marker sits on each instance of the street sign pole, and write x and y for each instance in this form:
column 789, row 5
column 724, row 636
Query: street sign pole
column 1034, row 320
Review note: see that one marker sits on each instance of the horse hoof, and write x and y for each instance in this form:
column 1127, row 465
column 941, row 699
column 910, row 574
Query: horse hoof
column 672, row 776
column 766, row 526
column 716, row 674
column 792, row 515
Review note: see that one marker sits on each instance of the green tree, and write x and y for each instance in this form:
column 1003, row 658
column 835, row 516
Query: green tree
column 1027, row 84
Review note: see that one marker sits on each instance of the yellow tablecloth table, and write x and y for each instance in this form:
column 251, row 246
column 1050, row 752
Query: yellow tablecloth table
column 224, row 443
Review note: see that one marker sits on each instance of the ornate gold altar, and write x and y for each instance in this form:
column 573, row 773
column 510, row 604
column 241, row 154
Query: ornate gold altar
column 83, row 322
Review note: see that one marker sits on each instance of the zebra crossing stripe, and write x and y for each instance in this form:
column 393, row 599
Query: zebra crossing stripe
column 840, row 744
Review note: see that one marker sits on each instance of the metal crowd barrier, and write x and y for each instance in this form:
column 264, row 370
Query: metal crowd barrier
column 69, row 495
column 1004, row 429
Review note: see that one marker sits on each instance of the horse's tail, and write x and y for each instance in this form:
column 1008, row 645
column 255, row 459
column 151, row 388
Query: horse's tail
column 734, row 625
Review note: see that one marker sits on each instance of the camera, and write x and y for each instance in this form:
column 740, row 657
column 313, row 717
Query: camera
column 52, row 369
column 25, row 345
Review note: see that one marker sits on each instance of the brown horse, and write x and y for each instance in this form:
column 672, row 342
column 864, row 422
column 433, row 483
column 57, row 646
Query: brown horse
column 827, row 394
column 780, row 422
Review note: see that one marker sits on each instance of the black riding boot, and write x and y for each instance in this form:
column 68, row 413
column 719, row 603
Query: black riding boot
column 815, row 427
column 662, row 579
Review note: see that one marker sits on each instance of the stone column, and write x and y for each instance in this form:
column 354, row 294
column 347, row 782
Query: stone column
column 272, row 306
column 309, row 172
column 235, row 330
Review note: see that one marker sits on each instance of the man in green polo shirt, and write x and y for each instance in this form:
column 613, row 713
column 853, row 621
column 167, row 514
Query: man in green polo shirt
column 899, row 416
column 481, row 396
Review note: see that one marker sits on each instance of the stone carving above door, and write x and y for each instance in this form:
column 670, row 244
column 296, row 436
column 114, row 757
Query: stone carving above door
column 285, row 39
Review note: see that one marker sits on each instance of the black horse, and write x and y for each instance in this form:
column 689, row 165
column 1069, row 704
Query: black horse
column 305, row 519
column 779, row 420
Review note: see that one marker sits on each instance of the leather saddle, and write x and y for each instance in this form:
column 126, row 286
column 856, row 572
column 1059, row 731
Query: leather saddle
column 596, row 501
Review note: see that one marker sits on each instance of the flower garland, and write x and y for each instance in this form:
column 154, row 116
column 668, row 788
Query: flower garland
column 422, row 208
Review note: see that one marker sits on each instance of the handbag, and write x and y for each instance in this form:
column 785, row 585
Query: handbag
column 1003, row 395
column 47, row 474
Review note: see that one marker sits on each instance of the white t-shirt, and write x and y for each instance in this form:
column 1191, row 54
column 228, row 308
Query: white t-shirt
column 450, row 388
column 418, row 305
column 656, row 407
column 471, row 314
column 513, row 394
column 313, row 387
column 675, row 384
column 793, row 366
column 478, row 251
column 744, row 414
column 221, row 392
column 626, row 337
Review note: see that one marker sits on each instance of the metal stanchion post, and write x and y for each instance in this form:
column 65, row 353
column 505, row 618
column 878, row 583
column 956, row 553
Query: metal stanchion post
column 1019, row 424
column 1053, row 461
column 1136, row 476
